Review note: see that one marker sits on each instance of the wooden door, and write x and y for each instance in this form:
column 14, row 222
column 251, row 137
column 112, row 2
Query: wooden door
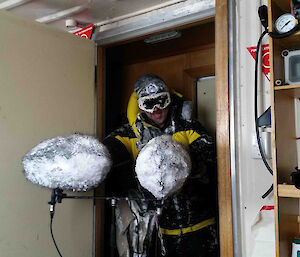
column 223, row 130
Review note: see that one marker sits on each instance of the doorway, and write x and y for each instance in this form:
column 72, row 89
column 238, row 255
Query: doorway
column 179, row 61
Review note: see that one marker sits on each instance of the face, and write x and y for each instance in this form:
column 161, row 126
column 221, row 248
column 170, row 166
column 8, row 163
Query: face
column 159, row 116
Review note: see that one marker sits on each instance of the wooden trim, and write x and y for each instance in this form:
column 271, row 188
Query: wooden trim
column 100, row 128
column 222, row 130
column 288, row 191
column 274, row 154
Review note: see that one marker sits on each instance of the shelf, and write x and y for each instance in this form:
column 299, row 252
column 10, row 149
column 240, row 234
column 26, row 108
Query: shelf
column 291, row 90
column 291, row 43
column 287, row 196
column 288, row 191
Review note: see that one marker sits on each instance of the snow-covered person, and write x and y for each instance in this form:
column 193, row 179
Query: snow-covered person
column 187, row 224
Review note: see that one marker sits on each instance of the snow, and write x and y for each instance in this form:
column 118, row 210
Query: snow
column 186, row 112
column 162, row 166
column 76, row 162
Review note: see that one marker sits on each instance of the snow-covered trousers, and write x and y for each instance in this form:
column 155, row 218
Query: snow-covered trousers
column 134, row 227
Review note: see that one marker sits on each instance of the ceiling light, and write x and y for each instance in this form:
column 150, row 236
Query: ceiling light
column 162, row 37
column 9, row 4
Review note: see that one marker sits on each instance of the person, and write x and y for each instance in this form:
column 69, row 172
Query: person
column 187, row 224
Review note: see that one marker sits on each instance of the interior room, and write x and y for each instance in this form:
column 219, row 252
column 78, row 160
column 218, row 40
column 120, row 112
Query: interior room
column 68, row 70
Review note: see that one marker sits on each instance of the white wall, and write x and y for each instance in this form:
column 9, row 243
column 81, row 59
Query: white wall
column 254, row 178
column 206, row 103
column 46, row 90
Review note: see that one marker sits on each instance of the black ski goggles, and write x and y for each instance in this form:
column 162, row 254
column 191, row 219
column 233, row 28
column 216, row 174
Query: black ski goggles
column 160, row 100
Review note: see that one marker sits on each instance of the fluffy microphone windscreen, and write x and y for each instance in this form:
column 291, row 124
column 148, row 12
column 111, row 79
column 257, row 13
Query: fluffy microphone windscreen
column 162, row 166
column 76, row 162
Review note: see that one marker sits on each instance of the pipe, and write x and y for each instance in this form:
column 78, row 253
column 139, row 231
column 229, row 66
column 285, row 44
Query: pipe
column 233, row 132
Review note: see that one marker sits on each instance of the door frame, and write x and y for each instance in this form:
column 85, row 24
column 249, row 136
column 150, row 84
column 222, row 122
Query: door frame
column 223, row 129
column 222, row 132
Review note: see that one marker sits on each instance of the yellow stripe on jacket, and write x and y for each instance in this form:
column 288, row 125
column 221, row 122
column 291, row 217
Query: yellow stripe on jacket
column 186, row 137
column 180, row 231
column 130, row 144
column 183, row 137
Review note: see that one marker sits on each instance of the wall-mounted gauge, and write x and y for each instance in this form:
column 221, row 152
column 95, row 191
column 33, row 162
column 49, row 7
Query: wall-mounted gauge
column 285, row 23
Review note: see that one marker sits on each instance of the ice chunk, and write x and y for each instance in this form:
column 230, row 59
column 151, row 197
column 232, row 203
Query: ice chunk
column 162, row 166
column 76, row 162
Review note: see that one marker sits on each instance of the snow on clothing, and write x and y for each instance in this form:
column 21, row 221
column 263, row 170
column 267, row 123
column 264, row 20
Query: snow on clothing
column 188, row 212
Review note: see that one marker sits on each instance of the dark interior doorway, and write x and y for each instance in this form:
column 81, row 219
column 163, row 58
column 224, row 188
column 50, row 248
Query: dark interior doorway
column 179, row 61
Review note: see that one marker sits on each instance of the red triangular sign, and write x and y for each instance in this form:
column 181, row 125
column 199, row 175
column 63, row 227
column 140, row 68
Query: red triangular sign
column 265, row 58
column 85, row 32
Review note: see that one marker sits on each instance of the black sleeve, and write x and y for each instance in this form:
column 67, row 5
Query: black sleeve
column 121, row 178
column 203, row 149
column 117, row 150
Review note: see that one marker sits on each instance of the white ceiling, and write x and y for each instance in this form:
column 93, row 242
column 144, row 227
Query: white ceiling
column 85, row 12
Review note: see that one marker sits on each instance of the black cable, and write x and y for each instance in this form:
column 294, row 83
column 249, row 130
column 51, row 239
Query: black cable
column 51, row 221
column 57, row 196
column 255, row 104
column 268, row 192
column 284, row 35
column 256, row 111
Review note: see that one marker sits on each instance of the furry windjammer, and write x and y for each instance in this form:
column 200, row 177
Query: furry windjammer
column 162, row 166
column 77, row 162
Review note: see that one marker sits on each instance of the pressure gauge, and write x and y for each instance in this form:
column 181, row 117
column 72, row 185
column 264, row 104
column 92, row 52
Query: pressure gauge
column 285, row 23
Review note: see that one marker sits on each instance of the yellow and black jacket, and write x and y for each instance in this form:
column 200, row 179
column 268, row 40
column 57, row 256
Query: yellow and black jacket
column 192, row 208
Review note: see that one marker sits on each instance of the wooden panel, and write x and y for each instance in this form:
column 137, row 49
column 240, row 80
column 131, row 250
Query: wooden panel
column 291, row 91
column 271, row 14
column 178, row 71
column 192, row 39
column 288, row 191
column 284, row 5
column 202, row 57
column 278, row 62
column 291, row 42
column 288, row 224
column 170, row 69
column 286, row 197
column 222, row 130
column 285, row 137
